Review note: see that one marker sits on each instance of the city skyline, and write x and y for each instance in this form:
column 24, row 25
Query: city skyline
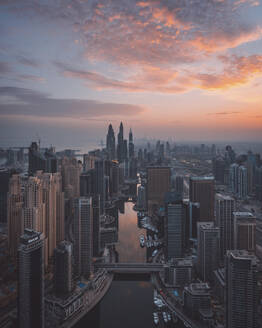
column 174, row 230
column 185, row 69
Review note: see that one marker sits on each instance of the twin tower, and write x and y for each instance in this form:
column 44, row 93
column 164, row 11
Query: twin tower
column 121, row 152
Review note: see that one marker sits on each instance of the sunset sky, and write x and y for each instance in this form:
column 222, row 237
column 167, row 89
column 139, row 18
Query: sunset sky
column 186, row 69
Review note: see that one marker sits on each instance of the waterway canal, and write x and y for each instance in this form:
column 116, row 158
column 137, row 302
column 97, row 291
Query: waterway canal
column 127, row 304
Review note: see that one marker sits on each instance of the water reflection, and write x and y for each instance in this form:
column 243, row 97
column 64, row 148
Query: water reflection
column 127, row 304
column 128, row 248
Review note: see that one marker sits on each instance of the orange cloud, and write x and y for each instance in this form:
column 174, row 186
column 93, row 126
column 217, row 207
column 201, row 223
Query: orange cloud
column 155, row 33
column 238, row 71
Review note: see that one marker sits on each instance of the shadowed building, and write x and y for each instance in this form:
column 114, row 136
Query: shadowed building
column 63, row 267
column 244, row 231
column 158, row 184
column 201, row 190
column 31, row 280
column 241, row 290
column 207, row 249
column 14, row 213
column 83, row 236
column 111, row 143
column 225, row 206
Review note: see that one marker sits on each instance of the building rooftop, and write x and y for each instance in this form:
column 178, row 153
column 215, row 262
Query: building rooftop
column 224, row 196
column 205, row 178
column 198, row 288
column 243, row 214
column 183, row 262
column 207, row 225
column 242, row 254
column 30, row 236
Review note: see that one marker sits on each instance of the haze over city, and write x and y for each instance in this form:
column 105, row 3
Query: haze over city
column 189, row 69
column 130, row 163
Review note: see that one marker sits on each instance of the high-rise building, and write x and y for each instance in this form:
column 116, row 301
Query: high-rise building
column 89, row 162
column 131, row 148
column 225, row 206
column 258, row 183
column 36, row 159
column 120, row 144
column 110, row 143
column 192, row 217
column 197, row 300
column 96, row 225
column 31, row 280
column 241, row 290
column 201, row 190
column 83, row 236
column 63, row 269
column 114, row 178
column 238, row 180
column 14, row 213
column 242, row 182
column 230, row 155
column 207, row 249
column 158, row 184
column 175, row 213
column 244, row 231
column 33, row 206
column 100, row 183
column 37, row 203
column 219, row 169
column 70, row 171
column 179, row 184
column 53, row 198
column 5, row 175
column 41, row 161
column 132, row 168
column 87, row 183
column 233, row 178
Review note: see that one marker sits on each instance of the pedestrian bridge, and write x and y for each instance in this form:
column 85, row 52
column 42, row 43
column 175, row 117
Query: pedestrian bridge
column 130, row 267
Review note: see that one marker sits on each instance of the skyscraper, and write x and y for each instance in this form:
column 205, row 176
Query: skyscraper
column 238, row 180
column 31, row 280
column 174, row 225
column 241, row 290
column 14, row 214
column 192, row 217
column 100, row 182
column 110, row 143
column 83, row 236
column 258, row 183
column 242, row 182
column 225, row 206
column 201, row 190
column 158, row 184
column 53, row 198
column 70, row 171
column 5, row 175
column 207, row 249
column 244, row 231
column 179, row 184
column 96, row 224
column 131, row 148
column 41, row 161
column 63, row 268
column 219, row 169
column 121, row 145
column 33, row 206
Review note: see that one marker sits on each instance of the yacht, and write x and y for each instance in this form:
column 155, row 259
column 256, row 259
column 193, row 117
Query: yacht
column 155, row 317
column 154, row 253
column 142, row 240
